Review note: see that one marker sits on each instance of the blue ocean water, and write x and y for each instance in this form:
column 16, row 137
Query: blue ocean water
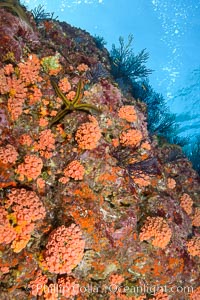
column 169, row 30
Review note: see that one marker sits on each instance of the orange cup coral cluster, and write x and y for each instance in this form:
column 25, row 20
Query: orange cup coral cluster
column 158, row 229
column 17, row 96
column 29, row 70
column 196, row 217
column 30, row 168
column 8, row 154
column 8, row 69
column 37, row 286
column 17, row 92
column 116, row 279
column 74, row 170
column 193, row 246
column 17, row 86
column 46, row 143
column 65, row 288
column 64, row 249
column 7, row 232
column 26, row 205
column 23, row 208
column 88, row 134
column 195, row 295
column 186, row 203
column 128, row 113
column 82, row 67
column 171, row 183
column 160, row 295
column 64, row 85
column 68, row 287
column 25, row 139
column 35, row 95
column 141, row 179
column 4, row 87
column 131, row 137
column 146, row 146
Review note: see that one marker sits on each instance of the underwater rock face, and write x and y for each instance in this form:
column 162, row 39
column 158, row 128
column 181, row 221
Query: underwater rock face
column 92, row 207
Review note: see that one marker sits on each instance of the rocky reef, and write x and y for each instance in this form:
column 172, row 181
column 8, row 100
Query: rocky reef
column 91, row 205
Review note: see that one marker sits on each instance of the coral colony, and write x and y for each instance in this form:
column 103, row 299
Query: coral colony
column 91, row 205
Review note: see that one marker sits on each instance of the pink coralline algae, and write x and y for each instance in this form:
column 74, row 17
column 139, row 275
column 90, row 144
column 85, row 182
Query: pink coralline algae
column 12, row 26
column 8, row 154
column 128, row 113
column 186, row 203
column 30, row 168
column 111, row 94
column 158, row 229
column 88, row 134
column 64, row 249
column 193, row 246
column 74, row 170
column 131, row 137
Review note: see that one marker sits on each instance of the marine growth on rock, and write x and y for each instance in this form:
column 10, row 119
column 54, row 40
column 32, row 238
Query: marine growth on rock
column 91, row 205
